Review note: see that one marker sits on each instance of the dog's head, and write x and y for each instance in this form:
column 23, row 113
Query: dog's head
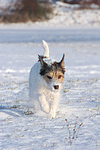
column 52, row 73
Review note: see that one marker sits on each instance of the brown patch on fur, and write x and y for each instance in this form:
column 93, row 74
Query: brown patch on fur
column 40, row 57
column 54, row 75
column 62, row 61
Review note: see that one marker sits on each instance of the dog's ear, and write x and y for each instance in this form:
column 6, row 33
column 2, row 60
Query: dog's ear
column 61, row 63
column 41, row 61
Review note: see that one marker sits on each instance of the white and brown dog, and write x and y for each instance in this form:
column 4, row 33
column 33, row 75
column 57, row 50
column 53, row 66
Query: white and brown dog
column 45, row 82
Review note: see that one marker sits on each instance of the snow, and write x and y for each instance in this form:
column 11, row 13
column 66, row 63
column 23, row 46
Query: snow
column 77, row 123
column 79, row 104
column 4, row 3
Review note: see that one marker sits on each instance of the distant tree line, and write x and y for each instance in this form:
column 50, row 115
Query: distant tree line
column 25, row 10
column 83, row 2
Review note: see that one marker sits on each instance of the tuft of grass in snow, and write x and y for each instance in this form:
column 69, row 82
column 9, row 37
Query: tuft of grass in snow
column 28, row 112
column 72, row 130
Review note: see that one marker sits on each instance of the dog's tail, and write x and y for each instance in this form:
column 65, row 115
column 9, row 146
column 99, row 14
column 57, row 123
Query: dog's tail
column 46, row 49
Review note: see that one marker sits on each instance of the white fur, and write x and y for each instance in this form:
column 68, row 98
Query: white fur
column 46, row 49
column 43, row 95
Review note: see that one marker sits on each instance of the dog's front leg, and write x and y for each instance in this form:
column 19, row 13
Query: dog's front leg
column 53, row 108
column 43, row 103
column 52, row 112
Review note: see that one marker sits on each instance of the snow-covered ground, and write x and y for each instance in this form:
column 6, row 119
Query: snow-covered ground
column 77, row 123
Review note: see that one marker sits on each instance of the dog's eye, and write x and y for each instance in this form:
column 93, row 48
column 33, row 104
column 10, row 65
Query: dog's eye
column 49, row 77
column 59, row 76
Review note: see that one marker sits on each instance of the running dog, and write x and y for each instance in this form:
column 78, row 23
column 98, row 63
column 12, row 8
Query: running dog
column 45, row 82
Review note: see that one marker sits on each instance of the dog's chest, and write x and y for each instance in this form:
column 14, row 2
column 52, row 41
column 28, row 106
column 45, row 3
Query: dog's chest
column 50, row 96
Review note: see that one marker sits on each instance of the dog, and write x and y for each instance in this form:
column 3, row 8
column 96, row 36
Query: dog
column 45, row 82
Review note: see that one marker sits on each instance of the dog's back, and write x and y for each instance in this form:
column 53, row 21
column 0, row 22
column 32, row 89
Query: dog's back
column 35, row 80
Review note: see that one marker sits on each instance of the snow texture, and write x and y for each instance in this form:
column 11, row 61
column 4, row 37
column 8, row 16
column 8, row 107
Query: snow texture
column 77, row 123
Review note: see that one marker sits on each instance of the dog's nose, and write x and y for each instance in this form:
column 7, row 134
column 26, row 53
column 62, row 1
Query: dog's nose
column 56, row 87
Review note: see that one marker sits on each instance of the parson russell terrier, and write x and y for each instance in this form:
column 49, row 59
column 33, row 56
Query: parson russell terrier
column 45, row 82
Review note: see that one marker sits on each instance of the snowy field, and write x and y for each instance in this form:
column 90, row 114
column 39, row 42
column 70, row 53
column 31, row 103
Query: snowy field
column 77, row 123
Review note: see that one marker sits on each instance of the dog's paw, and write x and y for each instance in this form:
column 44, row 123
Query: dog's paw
column 52, row 114
column 45, row 109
